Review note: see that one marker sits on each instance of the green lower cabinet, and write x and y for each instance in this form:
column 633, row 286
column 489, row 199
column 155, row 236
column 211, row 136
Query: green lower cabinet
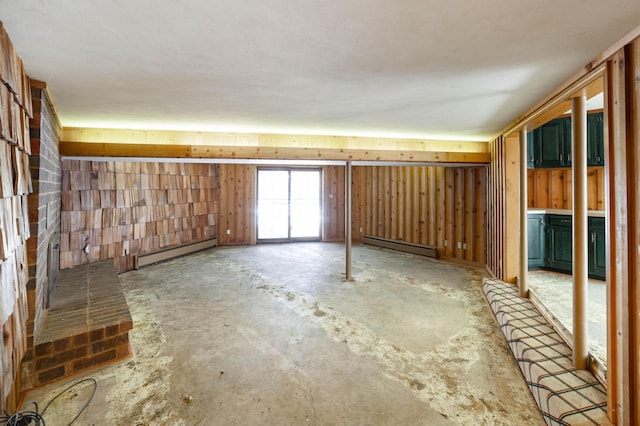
column 550, row 242
column 560, row 250
column 536, row 238
column 597, row 249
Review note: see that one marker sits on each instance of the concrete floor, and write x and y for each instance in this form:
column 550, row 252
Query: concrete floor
column 555, row 292
column 271, row 334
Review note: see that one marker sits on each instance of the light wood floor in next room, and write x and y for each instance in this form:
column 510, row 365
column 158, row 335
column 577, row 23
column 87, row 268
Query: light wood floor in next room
column 271, row 334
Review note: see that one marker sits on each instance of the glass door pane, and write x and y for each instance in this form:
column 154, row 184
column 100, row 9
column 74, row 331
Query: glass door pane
column 273, row 204
column 305, row 204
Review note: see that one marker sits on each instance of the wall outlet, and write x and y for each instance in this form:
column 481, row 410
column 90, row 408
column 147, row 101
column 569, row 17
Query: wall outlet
column 361, row 229
column 464, row 246
column 459, row 245
column 445, row 243
column 228, row 231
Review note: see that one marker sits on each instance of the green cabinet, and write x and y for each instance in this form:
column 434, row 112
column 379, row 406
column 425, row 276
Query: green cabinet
column 549, row 146
column 560, row 250
column 550, row 244
column 536, row 240
column 597, row 248
column 552, row 144
column 595, row 139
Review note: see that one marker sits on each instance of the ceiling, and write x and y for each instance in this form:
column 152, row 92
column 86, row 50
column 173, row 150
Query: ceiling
column 458, row 69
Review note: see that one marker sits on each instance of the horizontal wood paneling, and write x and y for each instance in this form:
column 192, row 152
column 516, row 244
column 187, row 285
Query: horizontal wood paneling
column 551, row 188
column 423, row 205
column 120, row 209
column 82, row 149
column 265, row 140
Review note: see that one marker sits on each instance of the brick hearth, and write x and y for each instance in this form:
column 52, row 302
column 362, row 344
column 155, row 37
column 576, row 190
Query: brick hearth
column 86, row 326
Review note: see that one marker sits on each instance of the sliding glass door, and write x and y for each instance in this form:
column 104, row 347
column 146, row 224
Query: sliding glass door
column 289, row 204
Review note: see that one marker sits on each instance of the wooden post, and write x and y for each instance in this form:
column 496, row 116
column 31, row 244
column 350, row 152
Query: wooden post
column 580, row 240
column 524, row 245
column 347, row 220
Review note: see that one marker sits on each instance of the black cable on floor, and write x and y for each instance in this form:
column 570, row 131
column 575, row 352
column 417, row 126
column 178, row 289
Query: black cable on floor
column 29, row 418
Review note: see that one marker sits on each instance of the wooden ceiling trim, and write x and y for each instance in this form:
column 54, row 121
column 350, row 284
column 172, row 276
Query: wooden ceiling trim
column 166, row 137
column 83, row 149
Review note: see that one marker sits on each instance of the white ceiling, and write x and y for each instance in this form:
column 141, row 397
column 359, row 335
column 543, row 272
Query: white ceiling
column 454, row 69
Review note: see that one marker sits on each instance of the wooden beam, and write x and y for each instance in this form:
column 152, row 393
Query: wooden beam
column 511, row 224
column 81, row 149
column 592, row 89
column 347, row 220
column 524, row 248
column 571, row 87
column 580, row 240
column 188, row 138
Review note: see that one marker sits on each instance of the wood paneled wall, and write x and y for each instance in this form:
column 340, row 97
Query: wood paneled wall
column 333, row 203
column 496, row 209
column 237, row 204
column 445, row 207
column 120, row 209
column 551, row 188
column 15, row 185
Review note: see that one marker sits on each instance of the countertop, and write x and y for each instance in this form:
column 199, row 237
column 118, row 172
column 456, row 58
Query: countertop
column 590, row 213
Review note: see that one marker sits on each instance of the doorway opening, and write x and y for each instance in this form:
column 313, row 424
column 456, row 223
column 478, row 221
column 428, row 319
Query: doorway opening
column 289, row 205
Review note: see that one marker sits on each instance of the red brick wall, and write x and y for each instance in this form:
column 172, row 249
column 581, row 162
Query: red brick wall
column 121, row 209
column 44, row 215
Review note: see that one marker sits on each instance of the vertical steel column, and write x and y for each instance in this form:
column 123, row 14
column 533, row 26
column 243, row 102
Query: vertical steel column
column 580, row 234
column 347, row 219
column 524, row 245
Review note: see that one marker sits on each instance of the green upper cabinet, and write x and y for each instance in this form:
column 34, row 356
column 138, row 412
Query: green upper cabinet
column 595, row 139
column 549, row 146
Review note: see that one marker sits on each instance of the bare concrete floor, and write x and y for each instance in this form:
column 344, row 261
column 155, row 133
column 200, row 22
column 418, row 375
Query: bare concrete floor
column 555, row 292
column 271, row 334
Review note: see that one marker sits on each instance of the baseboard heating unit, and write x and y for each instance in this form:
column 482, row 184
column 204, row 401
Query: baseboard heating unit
column 152, row 257
column 420, row 249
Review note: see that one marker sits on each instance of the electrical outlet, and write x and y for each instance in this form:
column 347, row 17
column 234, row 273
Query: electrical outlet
column 228, row 231
column 360, row 229
column 464, row 246
column 445, row 243
column 459, row 245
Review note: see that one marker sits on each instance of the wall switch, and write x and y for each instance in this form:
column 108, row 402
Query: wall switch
column 459, row 245
column 361, row 229
column 228, row 231
column 464, row 246
column 445, row 243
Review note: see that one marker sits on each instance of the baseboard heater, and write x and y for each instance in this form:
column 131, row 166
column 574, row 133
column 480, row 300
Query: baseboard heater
column 420, row 249
column 152, row 257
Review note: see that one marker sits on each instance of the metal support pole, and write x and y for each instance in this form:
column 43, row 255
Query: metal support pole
column 347, row 220
column 580, row 234
column 524, row 245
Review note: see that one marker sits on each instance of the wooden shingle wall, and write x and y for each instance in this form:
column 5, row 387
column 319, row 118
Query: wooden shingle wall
column 116, row 210
column 15, row 185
